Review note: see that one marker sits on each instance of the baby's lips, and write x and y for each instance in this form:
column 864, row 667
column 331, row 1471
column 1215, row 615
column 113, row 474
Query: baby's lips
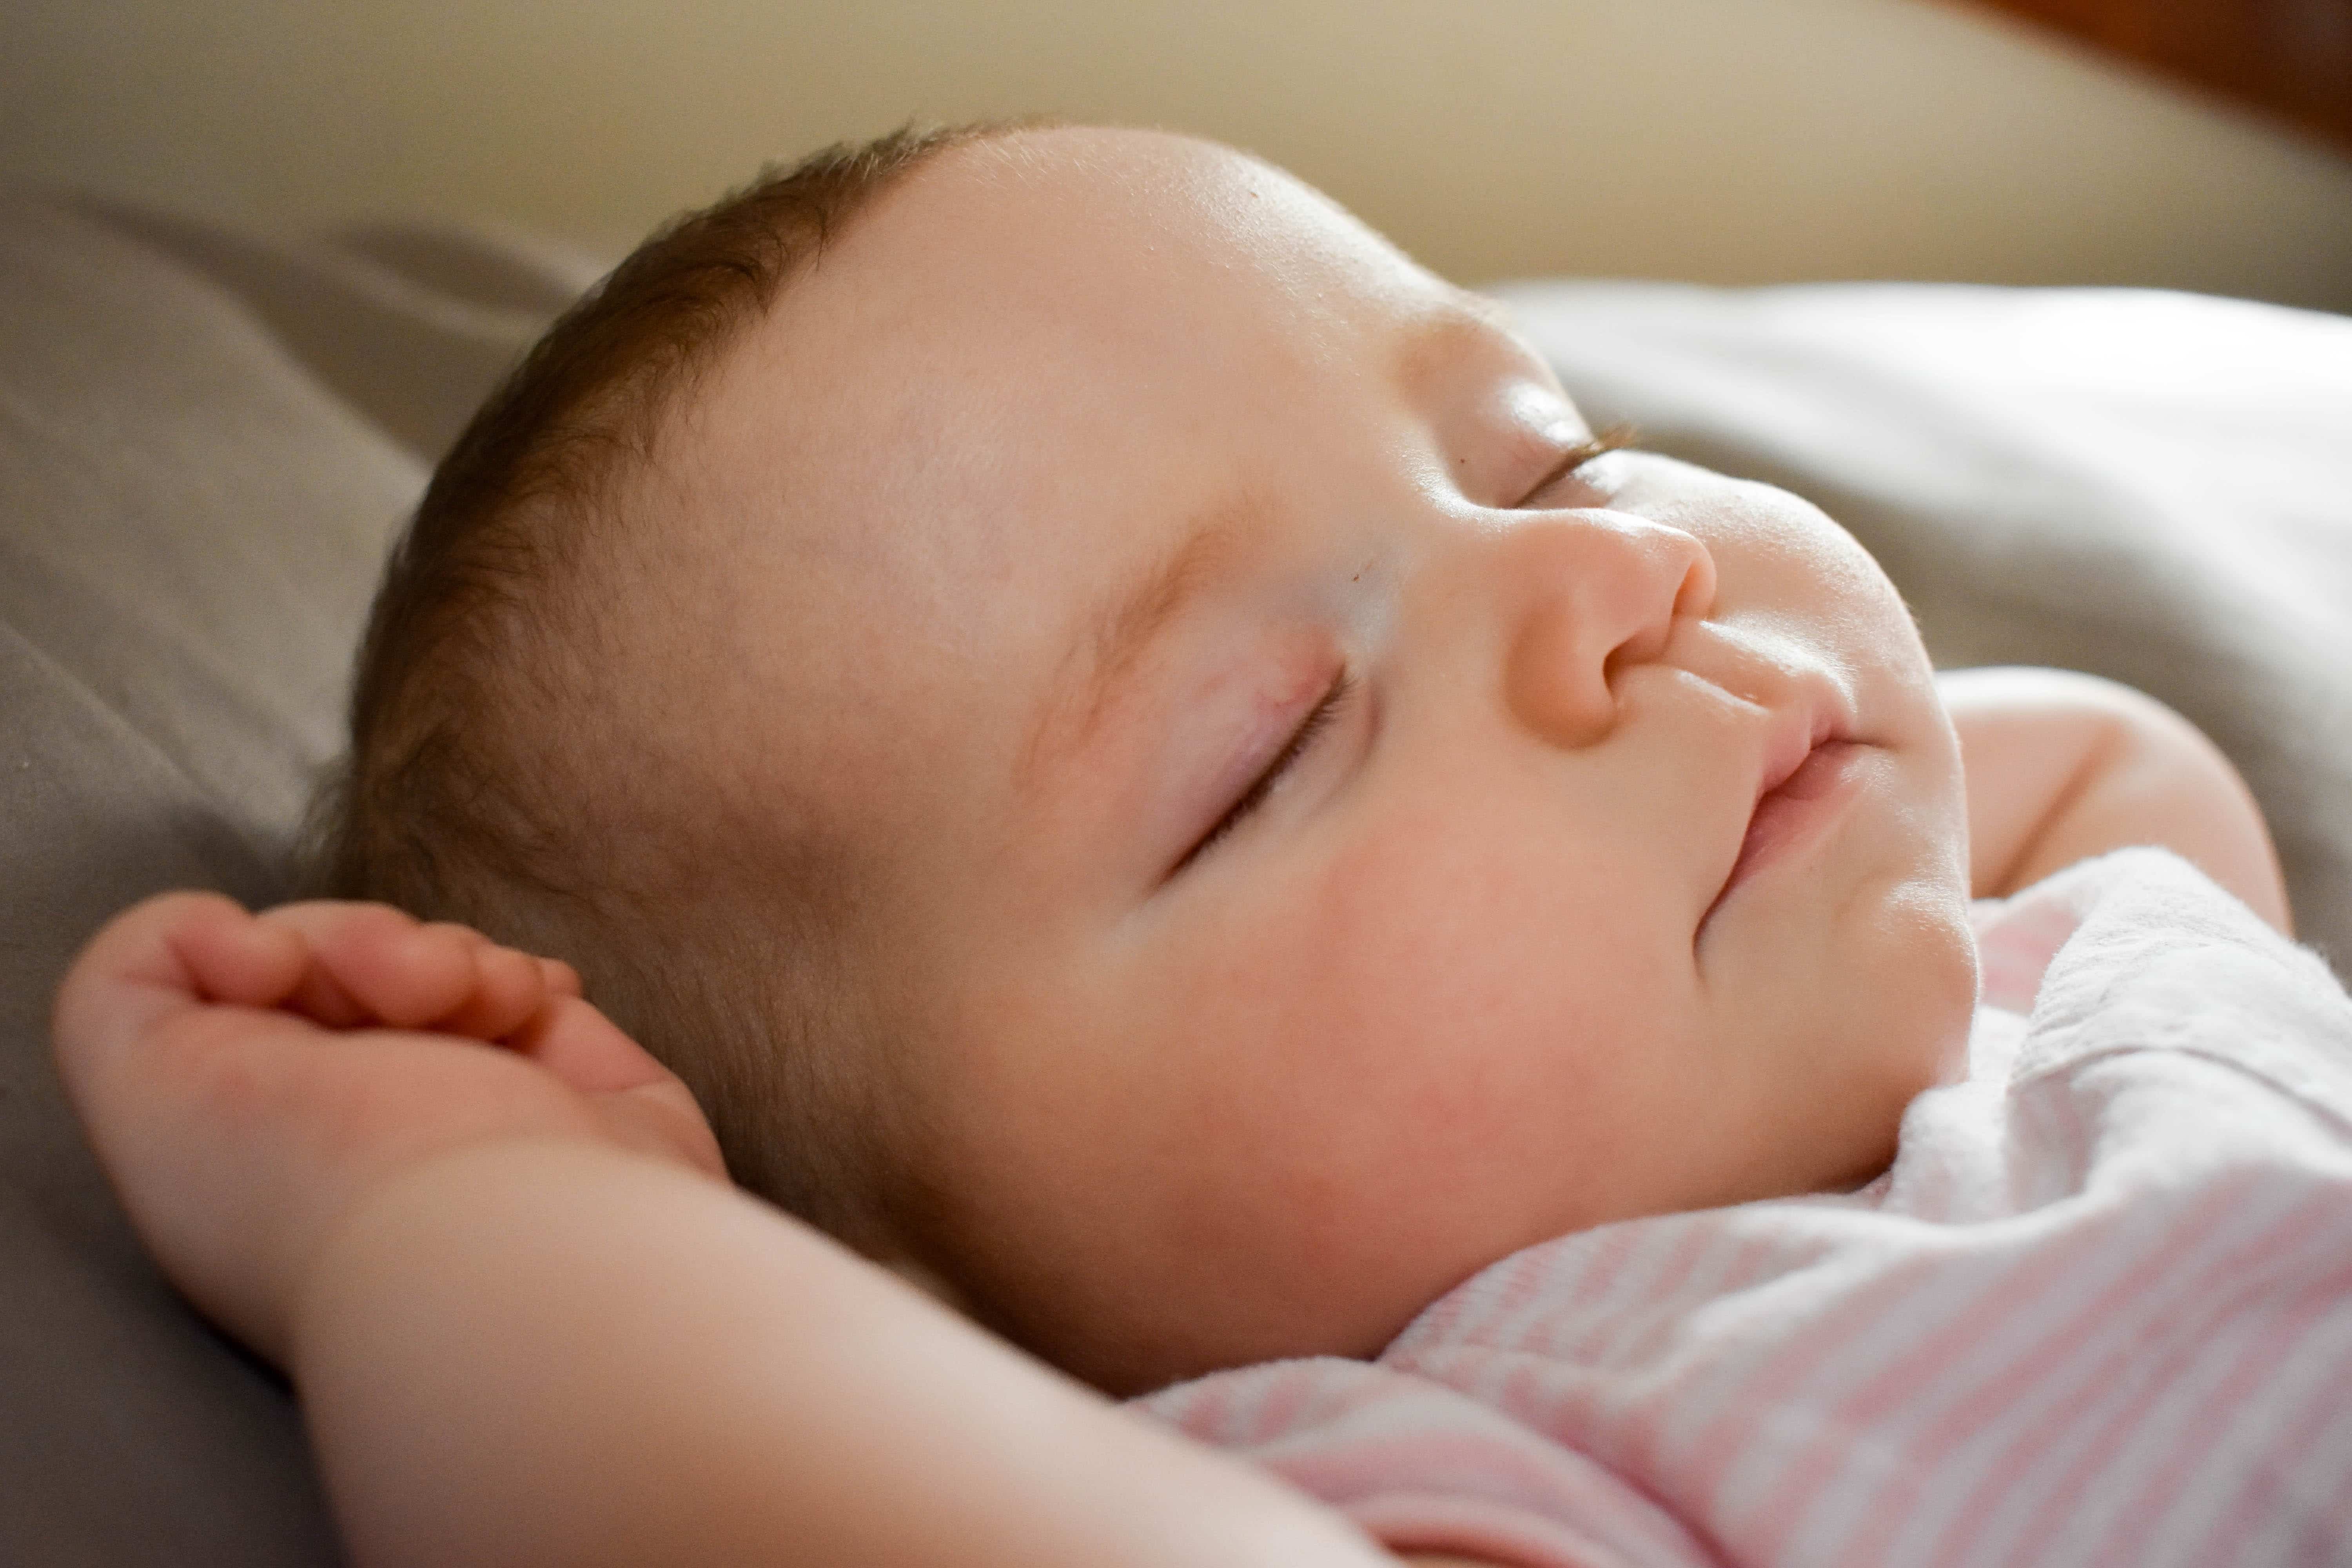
column 1812, row 718
column 1816, row 716
column 1786, row 746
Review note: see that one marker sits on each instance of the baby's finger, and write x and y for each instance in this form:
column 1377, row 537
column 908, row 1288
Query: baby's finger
column 370, row 963
column 233, row 956
column 563, row 980
column 579, row 1044
column 510, row 987
column 323, row 999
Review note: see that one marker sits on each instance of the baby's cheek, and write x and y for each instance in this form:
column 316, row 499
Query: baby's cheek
column 1415, row 1091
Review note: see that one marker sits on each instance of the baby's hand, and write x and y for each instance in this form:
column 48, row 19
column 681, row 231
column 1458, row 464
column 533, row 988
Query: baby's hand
column 246, row 1079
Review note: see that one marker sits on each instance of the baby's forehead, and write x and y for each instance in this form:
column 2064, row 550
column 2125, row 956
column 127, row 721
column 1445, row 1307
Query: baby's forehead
column 999, row 386
column 1080, row 257
column 1015, row 304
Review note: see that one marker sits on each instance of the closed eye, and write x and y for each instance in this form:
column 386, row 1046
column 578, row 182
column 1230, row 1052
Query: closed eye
column 1310, row 728
column 1576, row 456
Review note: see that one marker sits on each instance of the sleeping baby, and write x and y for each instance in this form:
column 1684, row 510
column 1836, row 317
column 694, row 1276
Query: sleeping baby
column 1121, row 758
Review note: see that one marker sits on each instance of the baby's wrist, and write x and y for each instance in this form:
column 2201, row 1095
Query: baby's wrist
column 412, row 1216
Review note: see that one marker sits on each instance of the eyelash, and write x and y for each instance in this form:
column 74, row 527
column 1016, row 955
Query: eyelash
column 1613, row 438
column 1310, row 728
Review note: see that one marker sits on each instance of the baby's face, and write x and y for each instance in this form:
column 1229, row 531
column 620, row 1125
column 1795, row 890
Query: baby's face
column 1315, row 807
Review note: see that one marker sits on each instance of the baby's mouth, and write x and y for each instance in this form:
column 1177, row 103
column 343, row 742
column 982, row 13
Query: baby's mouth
column 1782, row 811
column 1806, row 760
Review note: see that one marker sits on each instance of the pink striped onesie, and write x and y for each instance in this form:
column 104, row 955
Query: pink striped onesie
column 2099, row 1311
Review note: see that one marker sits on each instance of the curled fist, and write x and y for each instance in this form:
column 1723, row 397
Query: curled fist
column 248, row 1079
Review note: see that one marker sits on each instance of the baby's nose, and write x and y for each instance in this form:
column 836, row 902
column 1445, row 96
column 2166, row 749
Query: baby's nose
column 1592, row 594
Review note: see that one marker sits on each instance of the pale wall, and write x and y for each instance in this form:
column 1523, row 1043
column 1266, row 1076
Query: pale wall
column 1720, row 139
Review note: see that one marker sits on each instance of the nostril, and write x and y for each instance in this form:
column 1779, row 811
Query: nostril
column 1642, row 644
column 1596, row 593
column 1612, row 667
column 1694, row 596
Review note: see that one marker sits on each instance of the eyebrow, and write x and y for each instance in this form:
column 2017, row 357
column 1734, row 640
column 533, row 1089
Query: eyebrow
column 1118, row 634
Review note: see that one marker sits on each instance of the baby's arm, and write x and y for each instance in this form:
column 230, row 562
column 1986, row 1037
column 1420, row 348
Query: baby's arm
column 2062, row 766
column 528, row 1320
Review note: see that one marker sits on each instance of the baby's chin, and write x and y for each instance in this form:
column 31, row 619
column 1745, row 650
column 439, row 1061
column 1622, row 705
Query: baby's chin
column 1926, row 1046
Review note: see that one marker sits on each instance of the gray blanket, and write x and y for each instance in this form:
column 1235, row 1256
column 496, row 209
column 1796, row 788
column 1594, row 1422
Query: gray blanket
column 206, row 441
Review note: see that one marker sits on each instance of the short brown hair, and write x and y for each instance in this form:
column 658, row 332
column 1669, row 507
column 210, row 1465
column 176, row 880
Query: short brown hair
column 489, row 780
